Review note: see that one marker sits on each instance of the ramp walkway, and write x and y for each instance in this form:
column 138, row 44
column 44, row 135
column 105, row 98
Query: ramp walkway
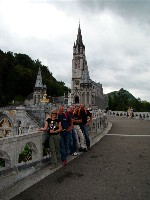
column 117, row 168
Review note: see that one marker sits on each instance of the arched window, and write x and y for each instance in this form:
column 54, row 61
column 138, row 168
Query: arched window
column 83, row 97
column 4, row 159
column 76, row 100
column 5, row 127
column 2, row 162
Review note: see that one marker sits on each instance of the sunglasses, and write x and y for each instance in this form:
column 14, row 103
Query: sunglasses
column 54, row 113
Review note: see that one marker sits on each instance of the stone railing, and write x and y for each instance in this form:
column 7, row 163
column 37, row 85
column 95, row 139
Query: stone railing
column 136, row 115
column 10, row 149
column 12, row 146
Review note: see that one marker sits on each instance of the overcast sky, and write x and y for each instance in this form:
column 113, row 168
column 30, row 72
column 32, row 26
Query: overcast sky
column 116, row 35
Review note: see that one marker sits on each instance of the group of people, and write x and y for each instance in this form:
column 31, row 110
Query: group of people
column 68, row 132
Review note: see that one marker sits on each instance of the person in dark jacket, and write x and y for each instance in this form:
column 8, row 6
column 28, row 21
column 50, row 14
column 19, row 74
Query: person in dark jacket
column 72, row 135
column 66, row 123
column 77, row 121
column 86, row 117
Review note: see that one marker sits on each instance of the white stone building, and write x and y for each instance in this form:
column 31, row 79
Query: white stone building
column 83, row 89
column 39, row 93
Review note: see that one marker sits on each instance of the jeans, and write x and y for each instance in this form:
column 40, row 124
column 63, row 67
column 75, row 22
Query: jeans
column 72, row 141
column 85, row 130
column 64, row 144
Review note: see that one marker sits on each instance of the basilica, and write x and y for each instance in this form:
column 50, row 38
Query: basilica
column 21, row 119
column 83, row 89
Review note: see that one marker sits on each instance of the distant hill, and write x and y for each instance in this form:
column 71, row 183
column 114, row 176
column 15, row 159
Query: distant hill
column 128, row 94
column 122, row 100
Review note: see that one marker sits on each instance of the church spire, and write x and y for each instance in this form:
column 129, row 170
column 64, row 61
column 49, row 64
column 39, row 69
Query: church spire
column 39, row 83
column 39, row 89
column 79, row 42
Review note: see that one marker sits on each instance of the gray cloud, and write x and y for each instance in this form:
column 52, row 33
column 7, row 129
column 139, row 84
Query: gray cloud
column 115, row 34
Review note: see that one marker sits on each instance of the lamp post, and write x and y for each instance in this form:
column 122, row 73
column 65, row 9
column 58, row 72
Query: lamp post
column 139, row 104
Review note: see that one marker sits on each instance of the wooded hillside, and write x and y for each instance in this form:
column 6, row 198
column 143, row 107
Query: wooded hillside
column 122, row 100
column 18, row 74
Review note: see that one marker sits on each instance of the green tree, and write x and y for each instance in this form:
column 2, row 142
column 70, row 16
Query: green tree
column 25, row 155
column 122, row 99
column 18, row 74
column 119, row 100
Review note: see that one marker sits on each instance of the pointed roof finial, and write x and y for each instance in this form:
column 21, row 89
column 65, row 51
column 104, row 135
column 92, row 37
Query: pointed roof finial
column 79, row 41
column 79, row 29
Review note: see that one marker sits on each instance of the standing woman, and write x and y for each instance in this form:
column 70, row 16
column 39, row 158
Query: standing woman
column 53, row 125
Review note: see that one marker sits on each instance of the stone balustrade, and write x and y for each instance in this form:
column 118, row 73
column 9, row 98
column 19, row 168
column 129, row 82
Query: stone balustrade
column 136, row 115
column 12, row 146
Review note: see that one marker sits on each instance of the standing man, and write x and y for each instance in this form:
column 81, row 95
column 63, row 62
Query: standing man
column 72, row 135
column 86, row 117
column 67, row 124
column 79, row 134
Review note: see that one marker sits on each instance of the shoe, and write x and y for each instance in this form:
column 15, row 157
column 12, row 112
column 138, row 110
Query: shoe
column 89, row 148
column 82, row 149
column 64, row 162
column 75, row 154
column 85, row 150
column 53, row 166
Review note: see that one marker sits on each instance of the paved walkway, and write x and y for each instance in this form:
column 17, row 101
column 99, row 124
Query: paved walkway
column 117, row 168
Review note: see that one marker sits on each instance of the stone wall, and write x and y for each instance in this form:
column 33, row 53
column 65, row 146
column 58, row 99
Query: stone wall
column 136, row 115
column 12, row 146
column 15, row 121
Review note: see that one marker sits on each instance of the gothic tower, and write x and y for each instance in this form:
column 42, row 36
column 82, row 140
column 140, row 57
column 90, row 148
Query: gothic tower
column 81, row 82
column 39, row 89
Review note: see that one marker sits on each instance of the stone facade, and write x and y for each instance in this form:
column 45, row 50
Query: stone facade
column 83, row 89
column 39, row 93
column 16, row 121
